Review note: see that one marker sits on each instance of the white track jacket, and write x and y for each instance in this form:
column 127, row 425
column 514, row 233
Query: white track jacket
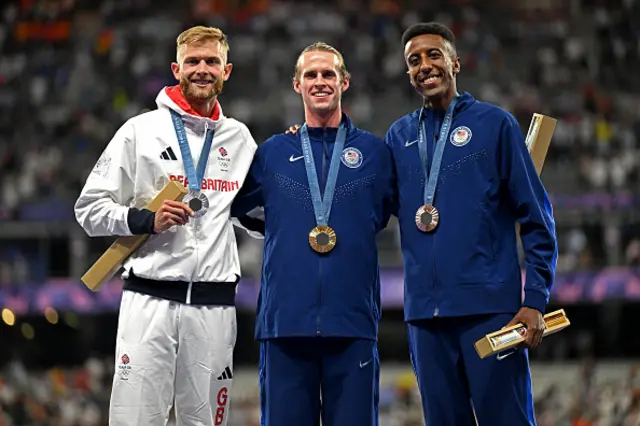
column 139, row 161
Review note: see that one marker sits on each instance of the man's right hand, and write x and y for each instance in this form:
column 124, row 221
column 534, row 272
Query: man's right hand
column 293, row 129
column 171, row 213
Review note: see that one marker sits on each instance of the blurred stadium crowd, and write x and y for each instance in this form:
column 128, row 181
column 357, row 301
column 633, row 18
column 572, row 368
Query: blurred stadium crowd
column 72, row 71
column 566, row 395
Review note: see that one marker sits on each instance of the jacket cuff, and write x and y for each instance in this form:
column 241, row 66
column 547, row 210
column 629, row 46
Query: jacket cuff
column 252, row 225
column 535, row 299
column 140, row 222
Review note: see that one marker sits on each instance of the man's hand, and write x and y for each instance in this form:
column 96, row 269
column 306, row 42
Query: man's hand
column 533, row 320
column 169, row 214
column 293, row 129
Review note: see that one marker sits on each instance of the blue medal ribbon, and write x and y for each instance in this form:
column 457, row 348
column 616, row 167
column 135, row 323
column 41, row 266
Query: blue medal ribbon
column 431, row 180
column 322, row 205
column 194, row 176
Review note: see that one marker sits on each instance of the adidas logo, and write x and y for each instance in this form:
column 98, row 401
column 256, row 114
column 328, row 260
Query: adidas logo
column 168, row 154
column 226, row 374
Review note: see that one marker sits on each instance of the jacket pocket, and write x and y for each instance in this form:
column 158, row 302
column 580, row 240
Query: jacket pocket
column 490, row 225
column 469, row 256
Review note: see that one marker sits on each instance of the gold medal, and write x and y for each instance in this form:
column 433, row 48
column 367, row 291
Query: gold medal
column 427, row 218
column 322, row 239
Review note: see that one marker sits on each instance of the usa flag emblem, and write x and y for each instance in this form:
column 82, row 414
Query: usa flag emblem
column 351, row 157
column 461, row 136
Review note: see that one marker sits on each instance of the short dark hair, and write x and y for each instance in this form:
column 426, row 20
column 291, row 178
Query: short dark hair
column 423, row 28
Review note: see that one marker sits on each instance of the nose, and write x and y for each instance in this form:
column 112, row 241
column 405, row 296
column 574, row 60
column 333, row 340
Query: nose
column 319, row 83
column 202, row 66
column 425, row 65
column 319, row 80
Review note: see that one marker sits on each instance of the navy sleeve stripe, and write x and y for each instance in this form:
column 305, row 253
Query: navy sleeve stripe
column 140, row 222
column 252, row 224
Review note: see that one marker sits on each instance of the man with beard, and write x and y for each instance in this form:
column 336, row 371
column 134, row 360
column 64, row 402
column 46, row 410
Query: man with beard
column 465, row 177
column 319, row 303
column 177, row 323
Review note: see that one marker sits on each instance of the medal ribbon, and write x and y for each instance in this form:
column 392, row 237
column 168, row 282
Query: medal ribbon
column 322, row 206
column 432, row 178
column 194, row 176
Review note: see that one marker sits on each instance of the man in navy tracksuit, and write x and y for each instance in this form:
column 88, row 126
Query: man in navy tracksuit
column 326, row 192
column 464, row 178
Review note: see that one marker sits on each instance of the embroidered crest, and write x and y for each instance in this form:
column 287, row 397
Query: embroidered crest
column 461, row 136
column 351, row 157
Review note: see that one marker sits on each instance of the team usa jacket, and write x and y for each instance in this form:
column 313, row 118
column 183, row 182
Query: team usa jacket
column 305, row 293
column 469, row 264
column 143, row 156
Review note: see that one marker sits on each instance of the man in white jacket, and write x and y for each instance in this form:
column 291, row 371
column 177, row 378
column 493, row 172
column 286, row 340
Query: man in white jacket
column 177, row 321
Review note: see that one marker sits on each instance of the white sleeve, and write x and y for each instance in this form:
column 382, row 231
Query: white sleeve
column 101, row 209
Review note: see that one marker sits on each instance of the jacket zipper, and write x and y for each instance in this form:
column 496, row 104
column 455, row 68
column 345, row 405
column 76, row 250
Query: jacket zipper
column 195, row 232
column 436, row 310
column 323, row 182
column 318, row 332
column 432, row 138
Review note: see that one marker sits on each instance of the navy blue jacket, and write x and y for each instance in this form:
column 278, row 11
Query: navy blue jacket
column 304, row 293
column 469, row 263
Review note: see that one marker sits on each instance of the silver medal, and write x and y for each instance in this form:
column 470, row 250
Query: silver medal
column 198, row 202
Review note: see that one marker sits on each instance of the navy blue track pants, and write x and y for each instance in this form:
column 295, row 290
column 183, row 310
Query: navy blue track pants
column 304, row 379
column 454, row 382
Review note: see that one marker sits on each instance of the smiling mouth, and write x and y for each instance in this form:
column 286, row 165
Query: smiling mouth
column 201, row 82
column 320, row 94
column 431, row 79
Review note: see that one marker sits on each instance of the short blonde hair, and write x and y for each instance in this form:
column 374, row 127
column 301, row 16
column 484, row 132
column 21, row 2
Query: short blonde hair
column 322, row 47
column 199, row 35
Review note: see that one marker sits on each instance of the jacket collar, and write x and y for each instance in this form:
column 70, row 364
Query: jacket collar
column 464, row 102
column 328, row 134
column 173, row 99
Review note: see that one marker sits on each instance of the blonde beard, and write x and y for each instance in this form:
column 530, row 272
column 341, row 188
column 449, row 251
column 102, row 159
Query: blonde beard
column 198, row 95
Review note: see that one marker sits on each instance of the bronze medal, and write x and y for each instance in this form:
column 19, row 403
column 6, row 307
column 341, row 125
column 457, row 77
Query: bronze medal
column 427, row 218
column 322, row 239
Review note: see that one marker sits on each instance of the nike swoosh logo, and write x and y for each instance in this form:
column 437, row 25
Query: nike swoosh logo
column 292, row 158
column 362, row 365
column 503, row 355
column 407, row 143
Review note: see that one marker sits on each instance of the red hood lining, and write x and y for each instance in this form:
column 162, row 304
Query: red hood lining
column 175, row 94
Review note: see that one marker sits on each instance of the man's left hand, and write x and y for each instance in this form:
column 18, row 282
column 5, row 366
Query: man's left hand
column 293, row 129
column 533, row 320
